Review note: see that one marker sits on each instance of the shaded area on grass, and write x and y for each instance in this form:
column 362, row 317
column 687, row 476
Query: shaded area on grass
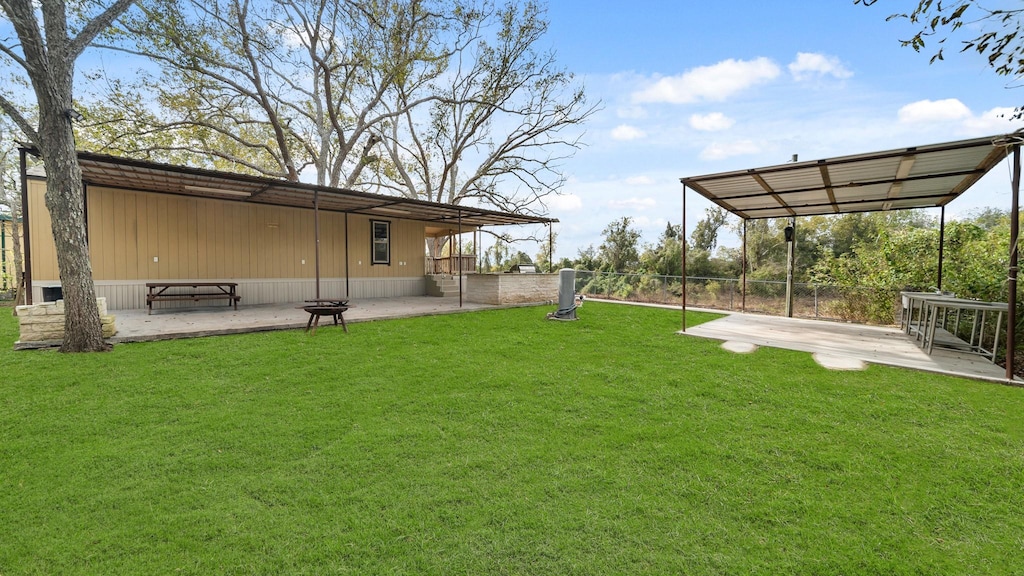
column 496, row 442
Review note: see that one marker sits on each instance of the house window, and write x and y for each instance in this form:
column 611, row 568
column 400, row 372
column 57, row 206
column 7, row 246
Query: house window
column 381, row 240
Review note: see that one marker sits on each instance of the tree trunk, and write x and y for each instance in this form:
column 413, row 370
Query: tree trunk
column 19, row 263
column 66, row 203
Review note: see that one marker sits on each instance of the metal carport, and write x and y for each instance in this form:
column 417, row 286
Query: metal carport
column 901, row 179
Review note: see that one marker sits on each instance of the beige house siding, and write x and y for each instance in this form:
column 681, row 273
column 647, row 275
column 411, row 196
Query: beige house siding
column 136, row 237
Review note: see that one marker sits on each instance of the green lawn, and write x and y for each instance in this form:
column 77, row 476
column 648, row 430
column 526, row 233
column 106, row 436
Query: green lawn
column 499, row 443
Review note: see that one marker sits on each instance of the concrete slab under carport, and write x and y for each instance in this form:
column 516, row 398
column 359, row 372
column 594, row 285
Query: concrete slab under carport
column 832, row 341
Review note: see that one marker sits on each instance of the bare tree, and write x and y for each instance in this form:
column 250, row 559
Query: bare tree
column 10, row 199
column 277, row 86
column 502, row 120
column 47, row 55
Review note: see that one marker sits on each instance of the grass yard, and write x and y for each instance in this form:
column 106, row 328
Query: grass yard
column 499, row 443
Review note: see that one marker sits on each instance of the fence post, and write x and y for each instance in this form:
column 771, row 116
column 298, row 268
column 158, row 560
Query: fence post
column 815, row 301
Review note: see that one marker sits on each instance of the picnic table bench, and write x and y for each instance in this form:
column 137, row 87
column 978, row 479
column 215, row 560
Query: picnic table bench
column 325, row 307
column 158, row 292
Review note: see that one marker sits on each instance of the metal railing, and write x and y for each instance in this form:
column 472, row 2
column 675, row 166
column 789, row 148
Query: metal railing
column 823, row 302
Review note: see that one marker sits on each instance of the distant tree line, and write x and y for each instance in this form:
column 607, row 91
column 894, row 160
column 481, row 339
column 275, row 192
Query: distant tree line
column 882, row 252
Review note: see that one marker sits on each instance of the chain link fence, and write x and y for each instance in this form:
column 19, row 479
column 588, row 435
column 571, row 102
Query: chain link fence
column 848, row 304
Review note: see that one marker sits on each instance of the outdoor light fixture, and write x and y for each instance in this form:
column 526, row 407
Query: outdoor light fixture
column 74, row 115
column 789, row 233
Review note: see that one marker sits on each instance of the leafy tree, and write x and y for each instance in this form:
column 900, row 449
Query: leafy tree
column 587, row 259
column 766, row 248
column 989, row 218
column 902, row 257
column 502, row 252
column 665, row 258
column 705, row 233
column 995, row 34
column 544, row 255
column 563, row 262
column 618, row 252
column 47, row 56
column 520, row 257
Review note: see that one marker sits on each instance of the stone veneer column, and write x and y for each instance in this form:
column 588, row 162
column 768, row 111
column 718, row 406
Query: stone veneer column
column 45, row 322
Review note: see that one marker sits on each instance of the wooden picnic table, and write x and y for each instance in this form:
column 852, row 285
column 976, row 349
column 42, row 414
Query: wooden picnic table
column 158, row 292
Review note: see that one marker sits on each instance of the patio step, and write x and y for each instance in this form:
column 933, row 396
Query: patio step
column 443, row 285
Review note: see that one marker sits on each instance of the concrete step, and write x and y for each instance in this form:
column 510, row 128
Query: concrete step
column 443, row 286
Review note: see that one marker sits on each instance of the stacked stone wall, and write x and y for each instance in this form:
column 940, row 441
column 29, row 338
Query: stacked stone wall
column 512, row 288
column 45, row 322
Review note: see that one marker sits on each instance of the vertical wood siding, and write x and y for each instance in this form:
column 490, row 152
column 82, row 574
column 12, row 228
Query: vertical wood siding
column 269, row 250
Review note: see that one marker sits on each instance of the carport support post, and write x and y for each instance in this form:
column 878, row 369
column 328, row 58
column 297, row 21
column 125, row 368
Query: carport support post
column 1011, row 316
column 347, row 293
column 743, row 270
column 682, row 252
column 942, row 243
column 460, row 258
column 316, row 233
column 790, row 255
column 551, row 247
column 26, row 245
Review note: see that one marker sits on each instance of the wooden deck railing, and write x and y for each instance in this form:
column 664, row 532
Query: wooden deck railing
column 450, row 264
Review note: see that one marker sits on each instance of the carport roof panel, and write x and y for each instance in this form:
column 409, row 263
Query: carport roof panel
column 115, row 172
column 916, row 177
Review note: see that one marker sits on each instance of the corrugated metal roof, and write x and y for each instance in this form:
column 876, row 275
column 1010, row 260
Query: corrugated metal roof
column 916, row 177
column 111, row 171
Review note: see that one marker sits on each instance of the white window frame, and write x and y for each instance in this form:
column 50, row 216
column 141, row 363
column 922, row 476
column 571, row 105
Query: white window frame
column 385, row 242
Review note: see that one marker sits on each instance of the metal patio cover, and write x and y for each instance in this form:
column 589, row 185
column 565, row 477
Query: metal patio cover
column 917, row 177
column 115, row 172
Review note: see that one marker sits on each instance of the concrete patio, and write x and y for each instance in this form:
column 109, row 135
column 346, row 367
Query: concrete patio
column 138, row 326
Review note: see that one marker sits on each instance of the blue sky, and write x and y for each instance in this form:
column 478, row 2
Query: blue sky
column 691, row 88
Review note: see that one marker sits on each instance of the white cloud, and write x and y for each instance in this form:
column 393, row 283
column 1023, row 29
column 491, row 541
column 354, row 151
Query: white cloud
column 648, row 223
column 635, row 204
column 720, row 151
column 712, row 122
column 631, row 112
column 933, row 111
column 565, row 202
column 994, row 121
column 711, row 83
column 809, row 65
column 627, row 132
column 639, row 181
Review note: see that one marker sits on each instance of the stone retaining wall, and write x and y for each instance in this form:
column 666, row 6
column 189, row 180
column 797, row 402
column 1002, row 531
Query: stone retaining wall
column 45, row 322
column 511, row 288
